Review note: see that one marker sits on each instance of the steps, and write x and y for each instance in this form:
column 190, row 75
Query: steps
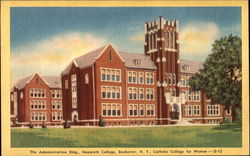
column 184, row 122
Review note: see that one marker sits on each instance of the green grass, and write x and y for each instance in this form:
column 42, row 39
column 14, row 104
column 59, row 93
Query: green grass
column 228, row 135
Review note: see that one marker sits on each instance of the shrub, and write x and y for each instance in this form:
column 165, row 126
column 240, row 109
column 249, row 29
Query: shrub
column 66, row 124
column 101, row 122
column 44, row 125
column 31, row 125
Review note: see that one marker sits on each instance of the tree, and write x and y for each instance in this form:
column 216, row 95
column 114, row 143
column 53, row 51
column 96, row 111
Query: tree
column 220, row 78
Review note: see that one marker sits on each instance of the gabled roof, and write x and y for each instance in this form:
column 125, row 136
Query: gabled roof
column 146, row 62
column 52, row 81
column 194, row 66
column 85, row 60
column 90, row 57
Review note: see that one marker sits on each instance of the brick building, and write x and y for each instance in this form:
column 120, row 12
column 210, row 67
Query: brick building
column 137, row 89
column 36, row 99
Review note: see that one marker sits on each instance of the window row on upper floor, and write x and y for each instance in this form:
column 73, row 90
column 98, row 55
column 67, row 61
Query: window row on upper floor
column 141, row 77
column 191, row 96
column 110, row 75
column 37, row 93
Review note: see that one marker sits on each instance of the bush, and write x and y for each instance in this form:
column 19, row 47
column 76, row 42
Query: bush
column 43, row 125
column 66, row 124
column 225, row 121
column 101, row 122
column 31, row 125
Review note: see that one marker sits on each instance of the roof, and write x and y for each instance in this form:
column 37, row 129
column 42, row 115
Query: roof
column 193, row 66
column 90, row 57
column 146, row 62
column 52, row 81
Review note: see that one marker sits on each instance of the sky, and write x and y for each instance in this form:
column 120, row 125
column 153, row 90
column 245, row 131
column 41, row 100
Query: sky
column 45, row 40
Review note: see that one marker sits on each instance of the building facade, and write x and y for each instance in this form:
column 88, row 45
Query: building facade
column 135, row 89
column 36, row 99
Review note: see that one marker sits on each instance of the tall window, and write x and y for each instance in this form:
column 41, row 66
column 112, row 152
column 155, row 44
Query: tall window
column 141, row 78
column 150, row 110
column 173, row 33
column 74, row 91
column 142, row 110
column 66, row 84
column 196, row 110
column 169, row 78
column 86, row 78
column 174, row 79
column 189, row 110
column 168, row 38
column 141, row 94
column 149, row 94
column 133, row 109
column 196, row 96
column 189, row 96
column 132, row 77
column 149, row 78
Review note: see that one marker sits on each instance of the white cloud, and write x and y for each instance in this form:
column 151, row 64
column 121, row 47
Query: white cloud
column 139, row 37
column 197, row 38
column 51, row 56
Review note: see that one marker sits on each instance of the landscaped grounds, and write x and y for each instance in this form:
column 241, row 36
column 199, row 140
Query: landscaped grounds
column 228, row 135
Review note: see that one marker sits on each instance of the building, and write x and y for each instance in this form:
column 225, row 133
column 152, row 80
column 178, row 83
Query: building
column 137, row 89
column 119, row 86
column 36, row 99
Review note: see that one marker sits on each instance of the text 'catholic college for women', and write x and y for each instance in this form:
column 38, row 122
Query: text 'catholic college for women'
column 122, row 88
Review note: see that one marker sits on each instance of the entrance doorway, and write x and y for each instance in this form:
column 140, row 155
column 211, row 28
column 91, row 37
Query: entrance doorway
column 174, row 112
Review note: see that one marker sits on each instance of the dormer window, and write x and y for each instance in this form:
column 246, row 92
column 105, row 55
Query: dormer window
column 185, row 67
column 138, row 62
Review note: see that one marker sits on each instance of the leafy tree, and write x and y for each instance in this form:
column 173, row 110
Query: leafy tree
column 220, row 78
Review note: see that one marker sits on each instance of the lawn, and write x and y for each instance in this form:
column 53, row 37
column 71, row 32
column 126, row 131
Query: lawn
column 228, row 135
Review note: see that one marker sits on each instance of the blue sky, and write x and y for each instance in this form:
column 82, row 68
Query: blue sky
column 44, row 33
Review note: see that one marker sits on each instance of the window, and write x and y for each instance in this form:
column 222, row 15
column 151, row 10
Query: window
column 113, row 109
column 185, row 110
column 66, row 84
column 110, row 55
column 12, row 97
column 189, row 110
column 141, row 78
column 133, row 108
column 213, row 110
column 56, row 116
column 37, row 93
column 141, row 93
column 21, row 95
column 169, row 79
column 185, row 67
column 142, row 109
column 38, row 116
column 228, row 111
column 132, row 93
column 111, row 75
column 196, row 96
column 196, row 110
column 137, row 62
column 149, row 94
column 183, row 93
column 74, row 91
column 110, row 92
column 173, row 92
column 174, row 79
column 183, row 81
column 149, row 78
column 56, row 105
column 132, row 77
column 189, row 96
column 37, row 104
column 86, row 78
column 150, row 110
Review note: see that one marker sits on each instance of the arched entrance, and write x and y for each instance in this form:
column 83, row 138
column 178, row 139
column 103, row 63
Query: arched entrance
column 74, row 116
column 174, row 112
